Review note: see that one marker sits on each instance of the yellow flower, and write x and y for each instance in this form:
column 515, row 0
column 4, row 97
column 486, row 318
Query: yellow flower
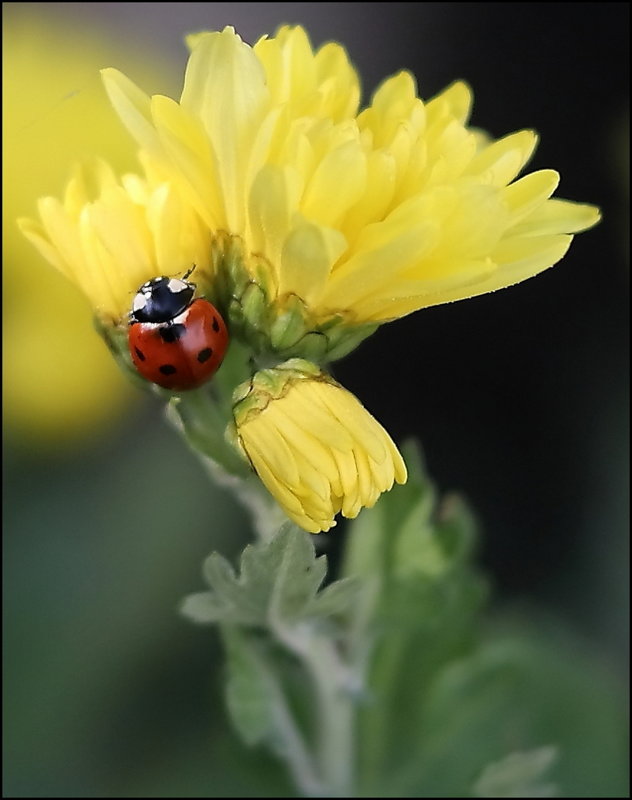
column 317, row 450
column 340, row 216
column 109, row 237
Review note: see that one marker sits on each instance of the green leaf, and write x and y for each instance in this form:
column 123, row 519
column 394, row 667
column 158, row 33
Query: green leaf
column 511, row 693
column 251, row 688
column 298, row 578
column 202, row 608
column 373, row 535
column 335, row 599
column 407, row 532
column 259, row 705
column 456, row 527
column 519, row 775
column 278, row 585
column 419, row 602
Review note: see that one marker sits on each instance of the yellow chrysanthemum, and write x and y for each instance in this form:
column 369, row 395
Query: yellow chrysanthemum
column 109, row 237
column 317, row 450
column 361, row 217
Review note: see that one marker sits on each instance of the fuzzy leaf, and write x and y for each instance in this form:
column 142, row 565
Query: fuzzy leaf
column 407, row 532
column 419, row 603
column 202, row 607
column 278, row 583
column 250, row 688
column 336, row 598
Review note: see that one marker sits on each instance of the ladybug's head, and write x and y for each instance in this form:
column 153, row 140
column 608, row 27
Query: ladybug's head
column 161, row 299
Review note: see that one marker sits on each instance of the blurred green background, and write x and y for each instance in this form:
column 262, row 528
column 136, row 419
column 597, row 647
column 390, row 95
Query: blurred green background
column 520, row 398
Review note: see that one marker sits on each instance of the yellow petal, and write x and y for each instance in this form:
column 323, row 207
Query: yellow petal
column 225, row 88
column 289, row 64
column 327, row 198
column 558, row 216
column 36, row 234
column 530, row 254
column 279, row 490
column 62, row 234
column 308, row 255
column 526, row 194
column 354, row 417
column 193, row 157
column 456, row 99
column 263, row 434
column 274, row 199
column 333, row 65
column 133, row 107
column 500, row 162
column 461, row 278
column 381, row 175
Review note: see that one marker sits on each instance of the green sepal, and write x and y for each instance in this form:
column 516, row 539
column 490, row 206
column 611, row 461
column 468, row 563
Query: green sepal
column 115, row 337
column 289, row 325
column 276, row 327
column 253, row 395
column 313, row 345
column 254, row 308
column 344, row 339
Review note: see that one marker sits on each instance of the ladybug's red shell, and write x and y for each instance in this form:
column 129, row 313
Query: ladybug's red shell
column 183, row 352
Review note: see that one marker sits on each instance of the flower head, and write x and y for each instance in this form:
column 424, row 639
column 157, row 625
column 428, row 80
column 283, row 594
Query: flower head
column 315, row 447
column 310, row 223
column 335, row 216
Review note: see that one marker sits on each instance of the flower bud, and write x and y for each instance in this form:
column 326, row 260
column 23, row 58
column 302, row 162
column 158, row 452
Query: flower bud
column 317, row 450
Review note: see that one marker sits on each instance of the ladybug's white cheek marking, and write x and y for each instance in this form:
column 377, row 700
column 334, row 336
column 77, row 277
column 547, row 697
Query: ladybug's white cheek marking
column 140, row 301
column 176, row 286
column 181, row 318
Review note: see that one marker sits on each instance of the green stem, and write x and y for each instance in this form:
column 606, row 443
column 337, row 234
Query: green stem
column 376, row 721
column 203, row 420
column 336, row 712
column 290, row 744
column 336, row 720
column 204, row 424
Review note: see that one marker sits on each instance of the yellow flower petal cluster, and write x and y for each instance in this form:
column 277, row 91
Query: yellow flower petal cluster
column 110, row 236
column 317, row 450
column 364, row 215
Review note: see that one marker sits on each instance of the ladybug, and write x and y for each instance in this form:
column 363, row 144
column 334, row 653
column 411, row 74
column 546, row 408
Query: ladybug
column 175, row 340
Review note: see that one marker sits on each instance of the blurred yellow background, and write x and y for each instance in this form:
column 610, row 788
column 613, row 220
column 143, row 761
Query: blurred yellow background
column 60, row 382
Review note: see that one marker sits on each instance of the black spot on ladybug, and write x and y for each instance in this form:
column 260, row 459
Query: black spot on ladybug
column 204, row 355
column 140, row 354
column 215, row 324
column 171, row 333
column 167, row 369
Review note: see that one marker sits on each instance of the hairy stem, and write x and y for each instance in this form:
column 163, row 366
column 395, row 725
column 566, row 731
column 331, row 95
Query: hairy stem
column 336, row 712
